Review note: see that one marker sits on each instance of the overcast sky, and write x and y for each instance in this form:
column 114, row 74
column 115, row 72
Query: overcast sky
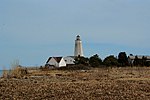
column 33, row 30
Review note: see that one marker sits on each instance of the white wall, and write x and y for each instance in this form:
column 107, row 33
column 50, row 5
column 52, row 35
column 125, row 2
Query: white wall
column 53, row 62
column 69, row 60
column 62, row 63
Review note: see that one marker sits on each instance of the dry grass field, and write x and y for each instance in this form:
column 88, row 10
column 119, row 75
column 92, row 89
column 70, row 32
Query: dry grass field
column 95, row 84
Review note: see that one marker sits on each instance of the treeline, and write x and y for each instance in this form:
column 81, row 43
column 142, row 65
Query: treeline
column 122, row 60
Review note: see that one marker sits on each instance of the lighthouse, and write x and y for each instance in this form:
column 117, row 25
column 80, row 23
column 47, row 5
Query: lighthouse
column 78, row 47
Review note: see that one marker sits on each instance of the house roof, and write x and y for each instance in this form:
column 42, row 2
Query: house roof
column 58, row 59
column 73, row 57
column 48, row 59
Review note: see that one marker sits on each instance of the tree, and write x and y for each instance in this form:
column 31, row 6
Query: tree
column 123, row 59
column 95, row 61
column 136, row 61
column 110, row 61
column 144, row 61
column 81, row 60
column 147, row 63
column 139, row 61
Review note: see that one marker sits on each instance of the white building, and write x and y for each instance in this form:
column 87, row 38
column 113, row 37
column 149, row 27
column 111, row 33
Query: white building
column 132, row 58
column 78, row 47
column 56, row 62
column 69, row 60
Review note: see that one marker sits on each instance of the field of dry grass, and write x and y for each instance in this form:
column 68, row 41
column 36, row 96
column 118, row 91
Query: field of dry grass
column 95, row 84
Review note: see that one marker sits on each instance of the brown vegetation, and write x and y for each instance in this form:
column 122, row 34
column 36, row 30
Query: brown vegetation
column 16, row 72
column 98, row 83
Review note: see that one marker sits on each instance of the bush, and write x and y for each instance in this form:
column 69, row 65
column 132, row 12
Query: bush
column 16, row 72
column 5, row 74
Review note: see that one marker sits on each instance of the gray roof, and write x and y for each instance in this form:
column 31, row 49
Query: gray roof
column 58, row 59
column 139, row 57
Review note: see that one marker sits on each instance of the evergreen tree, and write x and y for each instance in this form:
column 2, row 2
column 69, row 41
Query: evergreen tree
column 81, row 60
column 123, row 59
column 110, row 61
column 136, row 61
column 144, row 61
column 95, row 61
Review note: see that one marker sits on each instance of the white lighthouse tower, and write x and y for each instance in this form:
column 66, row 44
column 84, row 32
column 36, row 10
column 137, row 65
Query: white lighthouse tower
column 78, row 47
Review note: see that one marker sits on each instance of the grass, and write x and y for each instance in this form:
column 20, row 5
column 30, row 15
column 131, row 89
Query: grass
column 134, row 79
column 125, row 83
column 5, row 74
column 117, row 73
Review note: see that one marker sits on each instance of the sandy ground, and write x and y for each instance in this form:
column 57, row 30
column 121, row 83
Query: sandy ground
column 95, row 84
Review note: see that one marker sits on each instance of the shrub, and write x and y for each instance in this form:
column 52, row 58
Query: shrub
column 16, row 72
column 5, row 74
